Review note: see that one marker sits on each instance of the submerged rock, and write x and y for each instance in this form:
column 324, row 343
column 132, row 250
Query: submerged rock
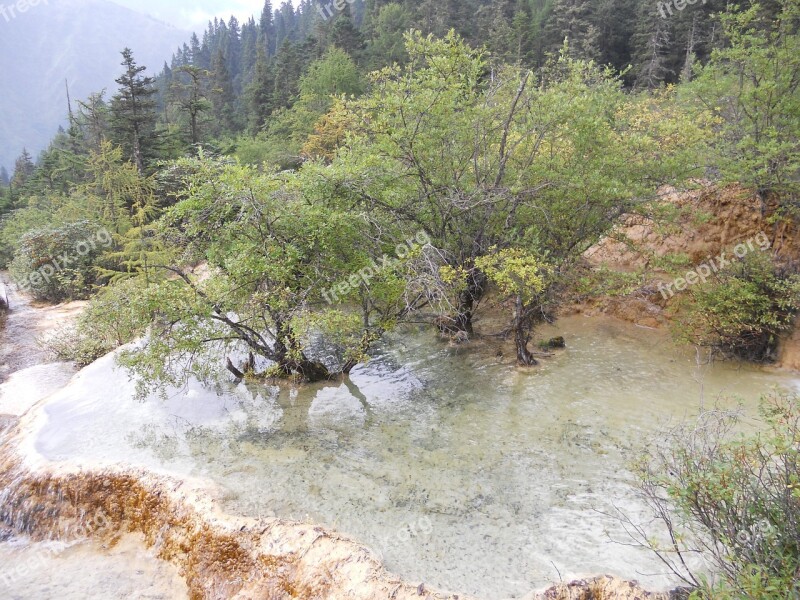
column 598, row 588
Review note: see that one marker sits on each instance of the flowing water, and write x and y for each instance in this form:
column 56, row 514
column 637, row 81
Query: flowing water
column 84, row 570
column 463, row 472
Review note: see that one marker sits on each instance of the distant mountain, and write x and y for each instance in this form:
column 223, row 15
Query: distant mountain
column 76, row 40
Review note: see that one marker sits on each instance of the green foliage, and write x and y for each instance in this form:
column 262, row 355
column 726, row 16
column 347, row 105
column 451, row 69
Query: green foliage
column 752, row 85
column 743, row 311
column 270, row 257
column 606, row 282
column 734, row 498
column 59, row 264
column 287, row 130
column 516, row 273
column 133, row 113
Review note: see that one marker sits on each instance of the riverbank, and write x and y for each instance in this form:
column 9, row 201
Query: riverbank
column 645, row 254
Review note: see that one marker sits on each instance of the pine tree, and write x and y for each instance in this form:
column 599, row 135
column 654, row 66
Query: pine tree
column 93, row 117
column 5, row 180
column 260, row 94
column 287, row 76
column 23, row 170
column 222, row 96
column 345, row 35
column 266, row 30
column 573, row 20
column 651, row 48
column 189, row 91
column 133, row 116
column 233, row 49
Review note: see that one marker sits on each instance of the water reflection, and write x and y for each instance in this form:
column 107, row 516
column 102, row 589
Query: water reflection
column 463, row 472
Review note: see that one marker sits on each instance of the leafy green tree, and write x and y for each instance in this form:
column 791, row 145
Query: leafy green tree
column 753, row 86
column 542, row 169
column 271, row 255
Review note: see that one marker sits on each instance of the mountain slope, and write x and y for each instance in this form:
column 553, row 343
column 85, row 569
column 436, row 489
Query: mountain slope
column 74, row 40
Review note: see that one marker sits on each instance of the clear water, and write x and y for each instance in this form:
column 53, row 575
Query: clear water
column 88, row 571
column 463, row 472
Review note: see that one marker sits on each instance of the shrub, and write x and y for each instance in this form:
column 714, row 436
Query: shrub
column 59, row 264
column 744, row 310
column 732, row 499
column 112, row 318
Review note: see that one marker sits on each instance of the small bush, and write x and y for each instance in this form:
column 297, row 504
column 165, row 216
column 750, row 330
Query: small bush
column 732, row 500
column 54, row 265
column 113, row 318
column 743, row 311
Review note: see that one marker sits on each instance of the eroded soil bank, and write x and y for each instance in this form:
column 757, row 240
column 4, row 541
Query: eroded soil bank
column 707, row 221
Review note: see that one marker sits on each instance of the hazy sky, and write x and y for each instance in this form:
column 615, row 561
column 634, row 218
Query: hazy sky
column 195, row 14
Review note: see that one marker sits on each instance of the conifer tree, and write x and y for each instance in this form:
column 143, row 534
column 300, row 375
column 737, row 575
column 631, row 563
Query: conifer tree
column 260, row 94
column 133, row 115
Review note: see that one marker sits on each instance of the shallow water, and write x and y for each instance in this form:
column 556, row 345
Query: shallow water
column 463, row 472
column 87, row 571
column 76, row 571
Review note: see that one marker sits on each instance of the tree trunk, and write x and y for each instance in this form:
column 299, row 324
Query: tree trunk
column 524, row 356
column 293, row 361
column 460, row 324
column 522, row 334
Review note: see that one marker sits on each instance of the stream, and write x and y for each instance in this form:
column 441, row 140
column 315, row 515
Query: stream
column 459, row 470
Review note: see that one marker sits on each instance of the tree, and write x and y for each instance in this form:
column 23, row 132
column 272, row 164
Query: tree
column 652, row 46
column 573, row 21
column 189, row 92
column 23, row 170
column 523, row 174
column 287, row 76
column 133, row 116
column 260, row 94
column 753, row 87
column 269, row 267
column 386, row 45
column 222, row 96
column 266, row 30
column 345, row 35
column 5, row 180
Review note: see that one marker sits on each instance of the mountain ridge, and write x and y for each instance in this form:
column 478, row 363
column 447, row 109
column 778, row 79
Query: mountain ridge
column 77, row 41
